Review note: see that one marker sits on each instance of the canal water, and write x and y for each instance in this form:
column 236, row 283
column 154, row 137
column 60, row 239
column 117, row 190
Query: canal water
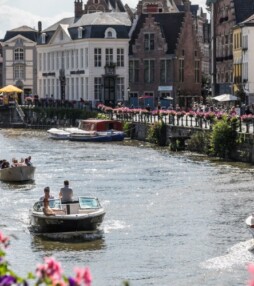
column 171, row 218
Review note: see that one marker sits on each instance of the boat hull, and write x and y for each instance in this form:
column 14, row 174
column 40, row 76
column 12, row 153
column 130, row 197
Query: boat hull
column 119, row 136
column 17, row 174
column 56, row 224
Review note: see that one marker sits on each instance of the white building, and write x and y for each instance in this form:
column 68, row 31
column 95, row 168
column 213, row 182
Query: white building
column 19, row 59
column 85, row 57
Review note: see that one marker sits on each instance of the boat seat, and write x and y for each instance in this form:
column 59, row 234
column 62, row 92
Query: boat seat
column 59, row 212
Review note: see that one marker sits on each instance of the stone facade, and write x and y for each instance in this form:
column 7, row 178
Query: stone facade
column 19, row 59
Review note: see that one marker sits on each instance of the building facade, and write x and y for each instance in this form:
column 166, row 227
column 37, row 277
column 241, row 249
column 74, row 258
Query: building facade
column 225, row 14
column 1, row 64
column 165, row 57
column 243, row 54
column 19, row 59
column 86, row 57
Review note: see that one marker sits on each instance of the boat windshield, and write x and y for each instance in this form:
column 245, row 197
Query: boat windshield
column 54, row 204
column 88, row 203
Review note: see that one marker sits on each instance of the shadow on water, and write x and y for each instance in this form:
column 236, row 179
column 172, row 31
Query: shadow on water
column 28, row 185
column 87, row 242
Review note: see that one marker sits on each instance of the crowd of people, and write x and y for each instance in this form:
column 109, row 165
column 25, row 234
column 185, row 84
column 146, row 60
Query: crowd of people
column 15, row 163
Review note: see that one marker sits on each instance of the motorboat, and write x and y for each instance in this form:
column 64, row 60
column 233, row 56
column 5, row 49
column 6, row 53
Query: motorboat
column 91, row 130
column 58, row 134
column 17, row 174
column 82, row 214
column 106, row 136
column 250, row 223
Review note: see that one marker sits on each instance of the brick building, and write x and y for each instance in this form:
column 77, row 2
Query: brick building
column 165, row 56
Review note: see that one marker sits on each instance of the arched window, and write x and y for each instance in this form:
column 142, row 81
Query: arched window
column 19, row 54
column 110, row 33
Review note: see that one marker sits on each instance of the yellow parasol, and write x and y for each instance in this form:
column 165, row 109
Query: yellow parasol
column 10, row 88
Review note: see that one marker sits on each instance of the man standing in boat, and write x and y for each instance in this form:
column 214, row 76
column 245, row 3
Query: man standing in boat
column 66, row 193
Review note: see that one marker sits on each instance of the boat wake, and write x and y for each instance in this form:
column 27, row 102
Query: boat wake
column 238, row 255
column 109, row 226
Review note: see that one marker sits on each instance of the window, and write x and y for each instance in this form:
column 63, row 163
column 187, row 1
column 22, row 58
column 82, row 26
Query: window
column 63, row 60
column 97, row 88
column 197, row 71
column 181, row 70
column 149, row 71
column 19, row 72
column 97, row 57
column 120, row 88
column 19, row 54
column 110, row 33
column 165, row 71
column 109, row 56
column 134, row 71
column 149, row 42
column 120, row 57
column 80, row 32
column 43, row 38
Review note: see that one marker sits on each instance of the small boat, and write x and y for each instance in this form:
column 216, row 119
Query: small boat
column 17, row 174
column 250, row 223
column 91, row 130
column 83, row 214
column 107, row 136
column 58, row 134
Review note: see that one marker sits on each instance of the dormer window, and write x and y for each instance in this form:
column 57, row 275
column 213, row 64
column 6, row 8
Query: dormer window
column 43, row 38
column 80, row 32
column 110, row 33
column 96, row 1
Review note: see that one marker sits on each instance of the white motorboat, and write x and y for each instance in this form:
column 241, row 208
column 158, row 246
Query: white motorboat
column 250, row 223
column 91, row 130
column 83, row 214
column 17, row 174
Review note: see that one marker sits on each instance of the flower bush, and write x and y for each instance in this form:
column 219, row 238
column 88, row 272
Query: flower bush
column 49, row 273
column 247, row 118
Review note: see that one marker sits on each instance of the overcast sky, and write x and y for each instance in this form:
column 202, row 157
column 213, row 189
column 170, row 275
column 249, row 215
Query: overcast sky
column 16, row 13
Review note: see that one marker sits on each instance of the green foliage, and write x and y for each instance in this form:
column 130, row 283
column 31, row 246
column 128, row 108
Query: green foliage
column 157, row 133
column 199, row 142
column 127, row 128
column 224, row 137
column 102, row 116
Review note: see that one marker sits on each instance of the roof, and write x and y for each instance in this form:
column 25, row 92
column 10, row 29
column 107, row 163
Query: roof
column 243, row 9
column 170, row 24
column 24, row 31
column 94, row 25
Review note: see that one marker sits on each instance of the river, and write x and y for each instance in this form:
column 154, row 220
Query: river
column 171, row 218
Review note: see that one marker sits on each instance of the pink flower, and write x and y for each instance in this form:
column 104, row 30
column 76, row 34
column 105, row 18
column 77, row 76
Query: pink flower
column 251, row 271
column 51, row 269
column 83, row 275
column 4, row 240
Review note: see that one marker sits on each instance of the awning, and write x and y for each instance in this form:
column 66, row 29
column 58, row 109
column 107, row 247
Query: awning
column 165, row 88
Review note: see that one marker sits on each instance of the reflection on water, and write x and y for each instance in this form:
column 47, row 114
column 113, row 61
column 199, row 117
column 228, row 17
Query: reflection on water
column 43, row 244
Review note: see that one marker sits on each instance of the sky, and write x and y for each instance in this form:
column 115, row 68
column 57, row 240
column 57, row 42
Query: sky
column 16, row 13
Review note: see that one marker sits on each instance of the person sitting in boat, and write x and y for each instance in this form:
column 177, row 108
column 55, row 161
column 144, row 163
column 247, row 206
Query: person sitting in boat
column 4, row 164
column 28, row 161
column 46, row 191
column 46, row 208
column 14, row 162
column 22, row 162
column 66, row 193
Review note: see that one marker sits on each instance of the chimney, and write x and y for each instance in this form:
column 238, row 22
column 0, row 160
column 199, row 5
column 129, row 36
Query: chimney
column 39, row 27
column 78, row 8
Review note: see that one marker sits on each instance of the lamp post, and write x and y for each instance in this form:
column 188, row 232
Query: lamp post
column 128, row 90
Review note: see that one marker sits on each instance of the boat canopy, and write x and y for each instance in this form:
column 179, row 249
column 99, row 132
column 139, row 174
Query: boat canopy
column 100, row 125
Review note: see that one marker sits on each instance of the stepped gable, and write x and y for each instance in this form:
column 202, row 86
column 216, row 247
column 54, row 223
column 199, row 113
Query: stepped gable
column 24, row 31
column 243, row 9
column 170, row 24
